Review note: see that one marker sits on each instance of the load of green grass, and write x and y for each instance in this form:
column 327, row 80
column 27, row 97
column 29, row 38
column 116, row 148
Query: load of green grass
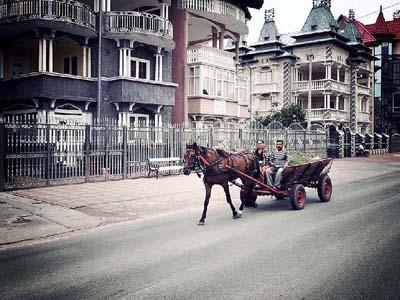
column 298, row 158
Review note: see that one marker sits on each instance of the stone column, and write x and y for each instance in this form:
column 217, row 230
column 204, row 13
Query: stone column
column 124, row 62
column 50, row 55
column 328, row 71
column 84, row 61
column 353, row 98
column 337, row 102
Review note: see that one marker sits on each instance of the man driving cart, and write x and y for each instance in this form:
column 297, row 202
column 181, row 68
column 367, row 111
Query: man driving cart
column 277, row 161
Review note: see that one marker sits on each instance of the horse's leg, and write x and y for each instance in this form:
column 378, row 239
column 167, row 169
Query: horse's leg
column 229, row 200
column 208, row 187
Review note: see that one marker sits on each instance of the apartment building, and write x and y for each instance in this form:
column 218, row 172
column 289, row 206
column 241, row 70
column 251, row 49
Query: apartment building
column 49, row 61
column 326, row 63
column 212, row 90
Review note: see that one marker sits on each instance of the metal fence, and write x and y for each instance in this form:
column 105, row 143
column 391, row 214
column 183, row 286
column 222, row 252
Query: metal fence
column 48, row 154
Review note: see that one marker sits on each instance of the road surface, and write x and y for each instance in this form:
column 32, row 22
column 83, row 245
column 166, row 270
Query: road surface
column 348, row 248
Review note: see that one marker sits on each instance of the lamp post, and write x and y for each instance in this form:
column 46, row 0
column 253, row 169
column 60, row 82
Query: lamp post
column 310, row 58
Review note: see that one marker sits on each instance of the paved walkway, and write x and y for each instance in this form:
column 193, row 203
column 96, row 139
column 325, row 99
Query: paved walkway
column 35, row 214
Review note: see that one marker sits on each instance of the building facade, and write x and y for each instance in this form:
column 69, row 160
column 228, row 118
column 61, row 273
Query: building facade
column 386, row 44
column 49, row 61
column 326, row 64
column 211, row 88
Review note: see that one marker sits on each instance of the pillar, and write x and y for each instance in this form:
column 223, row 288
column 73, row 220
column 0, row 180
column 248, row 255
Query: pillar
column 237, row 51
column 337, row 102
column 180, row 19
column 84, row 61
column 214, row 33
column 338, row 74
column 124, row 62
column 328, row 71
column 222, row 38
column 1, row 64
column 51, row 55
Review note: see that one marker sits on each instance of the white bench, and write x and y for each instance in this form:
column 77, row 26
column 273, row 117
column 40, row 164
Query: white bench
column 162, row 165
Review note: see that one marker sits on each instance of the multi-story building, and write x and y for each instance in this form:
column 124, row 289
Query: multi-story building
column 49, row 66
column 211, row 89
column 386, row 43
column 326, row 62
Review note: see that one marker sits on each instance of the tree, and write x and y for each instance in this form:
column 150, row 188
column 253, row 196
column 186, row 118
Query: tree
column 287, row 115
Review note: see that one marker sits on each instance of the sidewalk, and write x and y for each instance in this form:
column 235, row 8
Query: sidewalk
column 36, row 214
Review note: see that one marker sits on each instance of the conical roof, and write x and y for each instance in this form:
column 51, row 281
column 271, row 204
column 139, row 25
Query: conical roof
column 269, row 31
column 380, row 24
column 320, row 18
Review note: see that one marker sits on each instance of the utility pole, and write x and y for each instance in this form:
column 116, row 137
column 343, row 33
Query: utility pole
column 100, row 45
column 310, row 58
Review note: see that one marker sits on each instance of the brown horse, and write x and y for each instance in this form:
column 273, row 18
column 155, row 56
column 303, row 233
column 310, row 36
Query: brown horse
column 214, row 165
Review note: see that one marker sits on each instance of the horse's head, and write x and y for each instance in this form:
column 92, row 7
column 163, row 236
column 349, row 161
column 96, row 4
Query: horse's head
column 190, row 158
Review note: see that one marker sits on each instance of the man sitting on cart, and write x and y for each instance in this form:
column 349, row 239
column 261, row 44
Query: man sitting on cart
column 278, row 160
column 260, row 155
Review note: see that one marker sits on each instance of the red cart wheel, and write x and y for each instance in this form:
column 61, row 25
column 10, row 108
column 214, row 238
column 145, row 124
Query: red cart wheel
column 324, row 188
column 298, row 196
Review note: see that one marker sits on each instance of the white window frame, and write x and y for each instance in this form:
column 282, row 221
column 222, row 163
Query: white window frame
column 137, row 116
column 140, row 60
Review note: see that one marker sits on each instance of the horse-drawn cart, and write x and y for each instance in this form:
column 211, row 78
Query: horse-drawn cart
column 294, row 179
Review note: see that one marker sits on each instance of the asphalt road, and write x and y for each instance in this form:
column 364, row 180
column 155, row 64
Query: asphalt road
column 348, row 248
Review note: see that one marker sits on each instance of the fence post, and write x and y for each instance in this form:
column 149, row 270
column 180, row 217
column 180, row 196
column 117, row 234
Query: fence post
column 304, row 141
column 87, row 152
column 124, row 151
column 48, row 160
column 2, row 156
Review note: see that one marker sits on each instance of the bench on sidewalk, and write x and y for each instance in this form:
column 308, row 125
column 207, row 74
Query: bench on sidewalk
column 157, row 165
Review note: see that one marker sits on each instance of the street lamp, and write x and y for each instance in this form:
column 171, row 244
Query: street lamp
column 310, row 58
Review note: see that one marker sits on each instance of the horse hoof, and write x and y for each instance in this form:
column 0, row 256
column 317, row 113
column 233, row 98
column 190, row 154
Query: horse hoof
column 237, row 216
column 240, row 213
column 201, row 223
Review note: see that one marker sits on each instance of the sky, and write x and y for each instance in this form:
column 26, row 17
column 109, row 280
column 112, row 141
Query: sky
column 290, row 15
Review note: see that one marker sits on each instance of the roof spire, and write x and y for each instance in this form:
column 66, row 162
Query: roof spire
column 396, row 15
column 351, row 14
column 380, row 24
column 320, row 3
column 270, row 15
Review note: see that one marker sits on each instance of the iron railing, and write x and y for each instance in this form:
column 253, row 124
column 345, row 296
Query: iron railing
column 67, row 11
column 48, row 154
column 132, row 21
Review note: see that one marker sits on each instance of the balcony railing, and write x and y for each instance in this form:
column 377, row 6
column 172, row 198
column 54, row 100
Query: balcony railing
column 363, row 89
column 216, row 7
column 132, row 21
column 363, row 117
column 67, row 11
column 322, row 84
column 261, row 88
column 210, row 56
column 321, row 114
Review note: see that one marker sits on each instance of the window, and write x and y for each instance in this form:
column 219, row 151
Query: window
column 140, row 68
column 139, row 120
column 396, row 102
column 71, row 65
column 194, row 80
column 364, row 105
column 241, row 91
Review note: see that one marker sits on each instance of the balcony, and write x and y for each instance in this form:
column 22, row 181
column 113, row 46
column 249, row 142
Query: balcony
column 208, row 106
column 141, row 91
column 211, row 56
column 327, row 114
column 48, row 85
column 265, row 88
column 142, row 27
column 67, row 16
column 363, row 117
column 321, row 85
column 220, row 11
column 362, row 89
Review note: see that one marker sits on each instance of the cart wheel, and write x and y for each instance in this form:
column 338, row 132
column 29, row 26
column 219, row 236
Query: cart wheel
column 298, row 196
column 248, row 198
column 324, row 188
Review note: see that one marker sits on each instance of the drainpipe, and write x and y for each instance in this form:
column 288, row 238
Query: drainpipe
column 100, row 45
